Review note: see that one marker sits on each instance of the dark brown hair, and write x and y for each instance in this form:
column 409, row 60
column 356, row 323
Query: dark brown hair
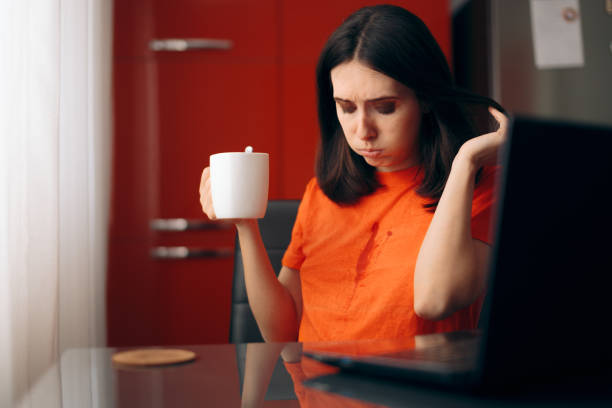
column 395, row 42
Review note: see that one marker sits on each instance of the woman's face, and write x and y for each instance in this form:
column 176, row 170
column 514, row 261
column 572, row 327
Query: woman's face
column 380, row 117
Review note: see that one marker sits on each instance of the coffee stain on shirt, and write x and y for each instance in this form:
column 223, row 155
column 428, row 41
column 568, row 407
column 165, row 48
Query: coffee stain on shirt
column 364, row 257
column 368, row 255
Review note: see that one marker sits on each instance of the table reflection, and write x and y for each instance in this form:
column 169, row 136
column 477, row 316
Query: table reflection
column 242, row 375
column 279, row 375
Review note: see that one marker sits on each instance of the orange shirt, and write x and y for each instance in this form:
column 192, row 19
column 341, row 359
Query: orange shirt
column 308, row 368
column 308, row 397
column 357, row 262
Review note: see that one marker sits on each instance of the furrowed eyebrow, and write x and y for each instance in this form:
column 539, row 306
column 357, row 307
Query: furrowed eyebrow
column 382, row 98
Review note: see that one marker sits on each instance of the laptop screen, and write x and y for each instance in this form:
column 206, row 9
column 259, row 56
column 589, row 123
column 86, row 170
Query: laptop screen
column 548, row 301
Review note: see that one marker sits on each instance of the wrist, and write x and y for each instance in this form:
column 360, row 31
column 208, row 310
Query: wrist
column 465, row 162
column 243, row 224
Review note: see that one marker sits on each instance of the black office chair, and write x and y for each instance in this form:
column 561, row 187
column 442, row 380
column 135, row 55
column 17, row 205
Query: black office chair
column 275, row 230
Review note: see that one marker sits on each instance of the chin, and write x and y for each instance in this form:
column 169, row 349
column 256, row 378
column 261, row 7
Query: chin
column 375, row 164
column 384, row 167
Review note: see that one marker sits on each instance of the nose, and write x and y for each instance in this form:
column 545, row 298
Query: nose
column 365, row 127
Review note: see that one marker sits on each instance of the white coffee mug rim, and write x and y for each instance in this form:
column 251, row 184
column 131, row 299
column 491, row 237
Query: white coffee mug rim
column 240, row 153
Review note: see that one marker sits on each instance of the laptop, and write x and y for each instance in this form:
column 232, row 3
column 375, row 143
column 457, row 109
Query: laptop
column 548, row 303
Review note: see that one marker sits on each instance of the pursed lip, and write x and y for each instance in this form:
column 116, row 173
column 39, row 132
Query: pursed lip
column 372, row 153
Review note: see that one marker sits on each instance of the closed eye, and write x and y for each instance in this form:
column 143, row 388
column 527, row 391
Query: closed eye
column 346, row 107
column 385, row 108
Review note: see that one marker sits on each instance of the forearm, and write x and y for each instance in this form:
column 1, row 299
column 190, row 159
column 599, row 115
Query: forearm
column 448, row 275
column 271, row 303
column 450, row 271
column 259, row 365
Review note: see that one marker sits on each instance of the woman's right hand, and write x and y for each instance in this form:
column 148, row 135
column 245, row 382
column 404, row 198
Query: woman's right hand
column 207, row 204
column 206, row 195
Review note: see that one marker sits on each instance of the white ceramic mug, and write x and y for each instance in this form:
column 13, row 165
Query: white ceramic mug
column 239, row 184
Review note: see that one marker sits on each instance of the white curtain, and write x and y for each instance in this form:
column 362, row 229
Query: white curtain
column 55, row 154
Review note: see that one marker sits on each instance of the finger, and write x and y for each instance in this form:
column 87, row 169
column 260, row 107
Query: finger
column 205, row 176
column 205, row 194
column 206, row 188
column 500, row 118
column 206, row 199
column 207, row 208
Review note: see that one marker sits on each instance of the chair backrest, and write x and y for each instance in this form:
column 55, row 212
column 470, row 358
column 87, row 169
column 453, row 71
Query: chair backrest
column 275, row 229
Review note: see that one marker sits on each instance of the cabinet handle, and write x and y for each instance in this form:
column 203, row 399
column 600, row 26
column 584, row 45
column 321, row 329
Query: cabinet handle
column 181, row 252
column 183, row 224
column 186, row 44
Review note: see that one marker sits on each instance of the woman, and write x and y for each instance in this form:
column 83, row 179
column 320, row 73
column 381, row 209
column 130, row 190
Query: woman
column 392, row 237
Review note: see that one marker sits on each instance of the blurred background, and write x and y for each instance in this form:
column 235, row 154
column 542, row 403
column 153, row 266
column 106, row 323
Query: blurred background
column 110, row 110
column 193, row 78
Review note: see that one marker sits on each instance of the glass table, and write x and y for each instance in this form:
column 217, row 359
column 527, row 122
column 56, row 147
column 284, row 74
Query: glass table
column 270, row 375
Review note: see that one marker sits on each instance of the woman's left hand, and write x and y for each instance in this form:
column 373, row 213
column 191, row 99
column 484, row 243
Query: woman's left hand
column 483, row 150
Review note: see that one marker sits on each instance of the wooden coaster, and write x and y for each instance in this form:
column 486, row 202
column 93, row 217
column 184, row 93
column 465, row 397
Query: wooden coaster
column 153, row 357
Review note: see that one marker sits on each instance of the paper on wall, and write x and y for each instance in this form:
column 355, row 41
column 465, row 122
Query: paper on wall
column 557, row 33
